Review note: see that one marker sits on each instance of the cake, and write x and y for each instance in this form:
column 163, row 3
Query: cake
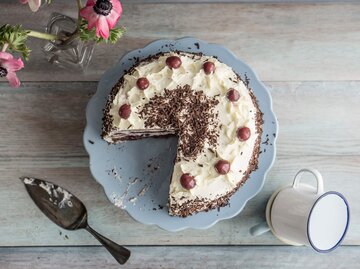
column 209, row 108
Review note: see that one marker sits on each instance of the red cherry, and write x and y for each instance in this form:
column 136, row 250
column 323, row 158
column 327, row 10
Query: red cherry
column 222, row 167
column 142, row 83
column 173, row 62
column 188, row 182
column 209, row 67
column 243, row 133
column 233, row 95
column 125, row 111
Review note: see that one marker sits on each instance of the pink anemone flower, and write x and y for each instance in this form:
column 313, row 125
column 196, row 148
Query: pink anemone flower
column 33, row 4
column 102, row 14
column 8, row 66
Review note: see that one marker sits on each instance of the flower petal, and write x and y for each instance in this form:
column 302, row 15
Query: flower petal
column 23, row 1
column 5, row 56
column 13, row 79
column 89, row 14
column 90, row 3
column 34, row 5
column 86, row 12
column 102, row 27
column 93, row 20
column 12, row 65
column 112, row 19
column 117, row 6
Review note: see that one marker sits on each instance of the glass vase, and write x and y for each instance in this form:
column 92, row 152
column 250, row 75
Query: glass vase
column 73, row 54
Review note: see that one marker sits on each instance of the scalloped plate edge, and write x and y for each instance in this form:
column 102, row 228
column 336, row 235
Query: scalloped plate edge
column 254, row 78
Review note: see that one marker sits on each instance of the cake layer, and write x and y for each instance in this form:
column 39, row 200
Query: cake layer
column 123, row 135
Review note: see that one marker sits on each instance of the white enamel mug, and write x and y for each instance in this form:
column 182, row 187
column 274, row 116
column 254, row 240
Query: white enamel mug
column 303, row 215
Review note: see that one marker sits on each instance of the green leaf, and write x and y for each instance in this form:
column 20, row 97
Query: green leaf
column 16, row 38
column 115, row 34
column 87, row 35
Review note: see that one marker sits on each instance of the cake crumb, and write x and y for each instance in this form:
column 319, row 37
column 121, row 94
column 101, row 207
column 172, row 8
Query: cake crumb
column 132, row 182
column 143, row 190
column 133, row 200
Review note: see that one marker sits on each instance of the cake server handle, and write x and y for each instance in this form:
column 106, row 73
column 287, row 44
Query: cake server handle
column 120, row 253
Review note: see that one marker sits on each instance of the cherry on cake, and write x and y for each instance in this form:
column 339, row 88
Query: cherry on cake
column 208, row 107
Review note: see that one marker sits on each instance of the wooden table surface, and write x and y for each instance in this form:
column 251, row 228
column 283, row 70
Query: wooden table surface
column 307, row 54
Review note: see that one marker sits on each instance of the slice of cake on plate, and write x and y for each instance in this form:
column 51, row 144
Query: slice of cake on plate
column 208, row 107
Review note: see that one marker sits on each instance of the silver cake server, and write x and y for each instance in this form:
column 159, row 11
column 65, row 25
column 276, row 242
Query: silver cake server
column 67, row 211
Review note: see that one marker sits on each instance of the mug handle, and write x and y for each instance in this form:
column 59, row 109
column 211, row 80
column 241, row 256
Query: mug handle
column 316, row 173
column 259, row 229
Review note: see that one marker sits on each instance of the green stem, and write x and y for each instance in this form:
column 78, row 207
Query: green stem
column 42, row 35
column 71, row 38
column 6, row 45
column 51, row 37
column 79, row 4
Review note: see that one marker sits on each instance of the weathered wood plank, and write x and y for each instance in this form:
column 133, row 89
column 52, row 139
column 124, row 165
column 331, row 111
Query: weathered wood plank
column 282, row 42
column 221, row 1
column 47, row 119
column 44, row 114
column 22, row 224
column 238, row 1
column 245, row 257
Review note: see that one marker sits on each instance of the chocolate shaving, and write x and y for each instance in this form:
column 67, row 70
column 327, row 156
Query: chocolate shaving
column 246, row 81
column 190, row 113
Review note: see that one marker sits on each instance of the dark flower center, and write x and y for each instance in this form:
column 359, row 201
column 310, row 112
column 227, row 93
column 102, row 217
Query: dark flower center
column 3, row 72
column 103, row 7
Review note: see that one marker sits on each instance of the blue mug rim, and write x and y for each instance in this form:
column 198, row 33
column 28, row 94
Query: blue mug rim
column 346, row 227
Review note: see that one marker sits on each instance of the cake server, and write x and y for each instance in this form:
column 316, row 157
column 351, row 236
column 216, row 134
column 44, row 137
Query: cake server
column 68, row 212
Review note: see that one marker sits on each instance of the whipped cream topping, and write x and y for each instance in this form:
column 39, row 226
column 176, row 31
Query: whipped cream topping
column 210, row 185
